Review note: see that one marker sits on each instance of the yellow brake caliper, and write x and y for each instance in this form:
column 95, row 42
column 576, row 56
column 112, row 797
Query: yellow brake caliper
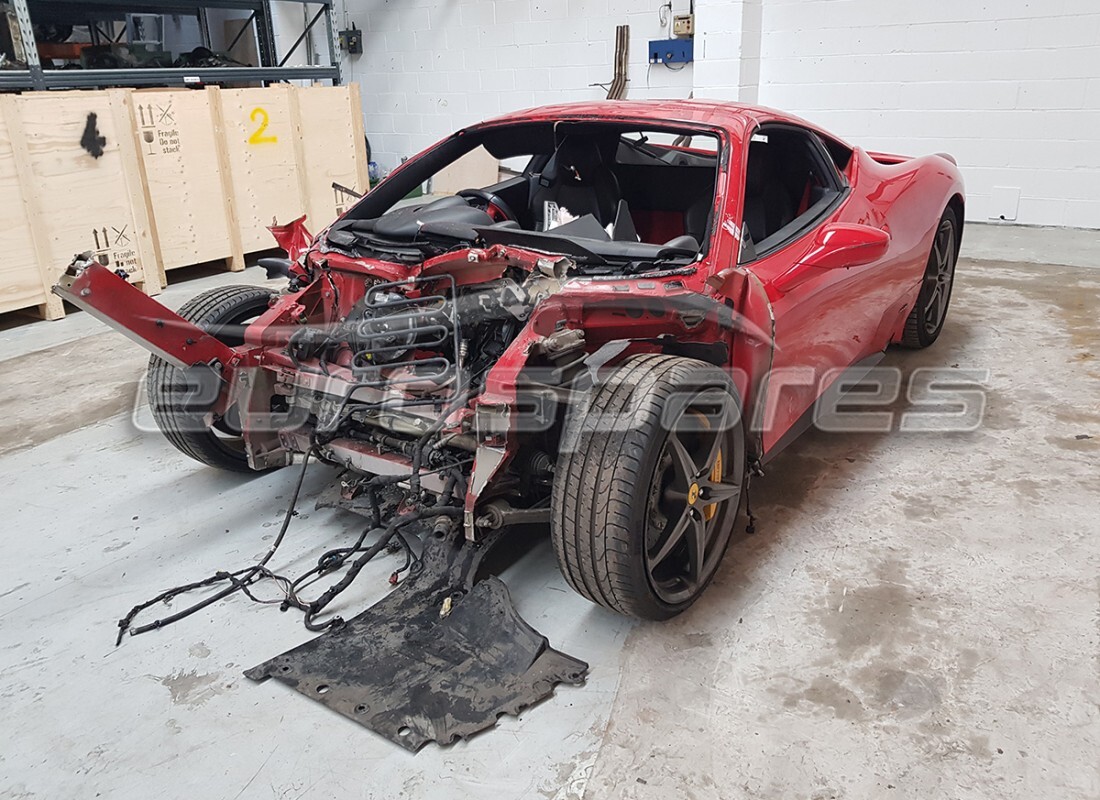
column 715, row 473
column 715, row 477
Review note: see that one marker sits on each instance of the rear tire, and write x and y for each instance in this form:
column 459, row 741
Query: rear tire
column 641, row 454
column 222, row 312
column 925, row 321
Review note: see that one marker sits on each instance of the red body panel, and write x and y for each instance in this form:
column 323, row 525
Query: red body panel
column 838, row 317
column 292, row 237
column 108, row 297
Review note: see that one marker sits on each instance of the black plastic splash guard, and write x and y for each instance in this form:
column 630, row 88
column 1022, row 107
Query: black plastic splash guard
column 438, row 659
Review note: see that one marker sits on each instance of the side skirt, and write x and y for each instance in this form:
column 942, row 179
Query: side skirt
column 853, row 375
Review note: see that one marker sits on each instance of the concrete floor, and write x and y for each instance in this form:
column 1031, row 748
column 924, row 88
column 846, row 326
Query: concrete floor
column 918, row 615
column 1072, row 247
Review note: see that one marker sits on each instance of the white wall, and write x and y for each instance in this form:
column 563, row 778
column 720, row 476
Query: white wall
column 432, row 66
column 1011, row 88
column 727, row 42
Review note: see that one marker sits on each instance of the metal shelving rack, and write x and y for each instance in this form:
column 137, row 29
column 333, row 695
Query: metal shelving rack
column 272, row 66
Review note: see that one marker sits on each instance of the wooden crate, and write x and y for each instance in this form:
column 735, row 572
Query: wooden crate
column 262, row 146
column 179, row 136
column 222, row 164
column 69, row 165
column 20, row 286
column 185, row 177
column 331, row 129
column 476, row 168
column 285, row 147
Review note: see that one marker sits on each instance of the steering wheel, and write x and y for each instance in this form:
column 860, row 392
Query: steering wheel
column 493, row 205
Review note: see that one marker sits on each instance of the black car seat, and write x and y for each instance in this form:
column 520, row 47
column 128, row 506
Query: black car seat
column 578, row 179
column 697, row 215
column 768, row 206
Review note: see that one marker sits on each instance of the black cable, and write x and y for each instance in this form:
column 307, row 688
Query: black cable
column 418, row 450
column 329, row 561
column 411, row 557
column 327, row 597
column 240, row 580
column 235, row 583
column 754, row 469
column 751, row 526
column 282, row 580
column 448, row 488
column 332, row 560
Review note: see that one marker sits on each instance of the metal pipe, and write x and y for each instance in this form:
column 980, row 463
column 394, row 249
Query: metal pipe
column 240, row 33
column 305, row 33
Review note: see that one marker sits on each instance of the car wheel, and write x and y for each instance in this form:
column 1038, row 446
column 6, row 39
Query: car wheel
column 648, row 485
column 925, row 321
column 223, row 312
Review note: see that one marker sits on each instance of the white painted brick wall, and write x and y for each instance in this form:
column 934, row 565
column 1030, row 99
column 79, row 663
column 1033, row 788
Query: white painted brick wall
column 432, row 66
column 288, row 21
column 1011, row 88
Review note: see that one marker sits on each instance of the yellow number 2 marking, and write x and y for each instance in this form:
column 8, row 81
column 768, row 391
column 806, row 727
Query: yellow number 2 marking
column 260, row 137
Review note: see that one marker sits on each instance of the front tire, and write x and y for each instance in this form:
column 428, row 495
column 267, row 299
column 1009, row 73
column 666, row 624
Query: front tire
column 223, row 312
column 641, row 455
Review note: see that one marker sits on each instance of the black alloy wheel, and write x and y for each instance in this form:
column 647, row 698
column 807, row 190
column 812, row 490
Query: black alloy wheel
column 648, row 485
column 929, row 313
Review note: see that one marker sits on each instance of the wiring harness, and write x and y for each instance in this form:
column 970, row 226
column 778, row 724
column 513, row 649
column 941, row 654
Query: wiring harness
column 391, row 537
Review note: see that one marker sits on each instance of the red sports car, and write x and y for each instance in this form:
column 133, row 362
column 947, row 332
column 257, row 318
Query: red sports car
column 640, row 307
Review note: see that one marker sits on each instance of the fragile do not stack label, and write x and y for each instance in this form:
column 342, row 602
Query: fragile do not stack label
column 113, row 247
column 157, row 123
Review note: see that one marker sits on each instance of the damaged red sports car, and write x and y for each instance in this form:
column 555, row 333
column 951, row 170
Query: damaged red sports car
column 600, row 343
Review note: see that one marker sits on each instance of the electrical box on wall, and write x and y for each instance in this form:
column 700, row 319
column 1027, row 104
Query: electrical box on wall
column 683, row 25
column 671, row 51
column 351, row 41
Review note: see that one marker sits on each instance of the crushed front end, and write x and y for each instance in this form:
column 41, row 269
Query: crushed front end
column 433, row 355
column 388, row 379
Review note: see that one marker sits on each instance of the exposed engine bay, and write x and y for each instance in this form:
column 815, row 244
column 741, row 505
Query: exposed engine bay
column 432, row 298
column 419, row 337
column 395, row 378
